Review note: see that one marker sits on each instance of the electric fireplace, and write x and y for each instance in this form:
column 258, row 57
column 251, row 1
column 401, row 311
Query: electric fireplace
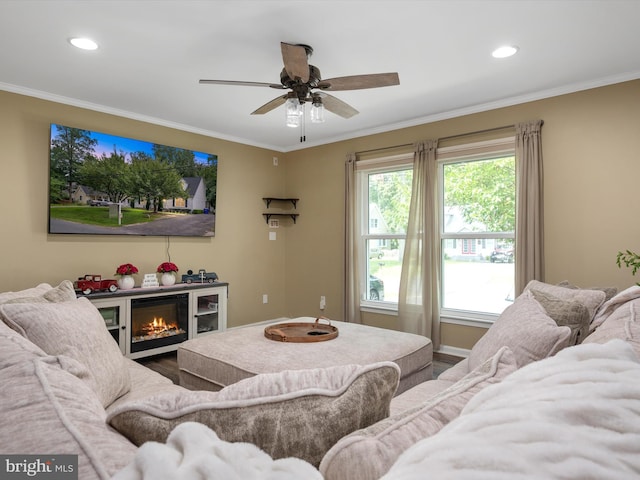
column 159, row 321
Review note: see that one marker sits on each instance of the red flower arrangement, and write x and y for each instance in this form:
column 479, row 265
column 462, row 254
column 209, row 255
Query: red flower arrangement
column 167, row 267
column 126, row 269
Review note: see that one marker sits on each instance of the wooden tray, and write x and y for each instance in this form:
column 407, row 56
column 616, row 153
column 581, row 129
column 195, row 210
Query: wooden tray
column 300, row 332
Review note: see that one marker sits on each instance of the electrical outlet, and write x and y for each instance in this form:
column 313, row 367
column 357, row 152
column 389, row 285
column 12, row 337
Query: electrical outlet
column 265, row 298
column 323, row 302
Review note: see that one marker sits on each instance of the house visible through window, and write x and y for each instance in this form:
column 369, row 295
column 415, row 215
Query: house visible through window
column 477, row 229
column 478, row 203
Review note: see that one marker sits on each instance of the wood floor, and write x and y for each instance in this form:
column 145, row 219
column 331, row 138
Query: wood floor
column 166, row 364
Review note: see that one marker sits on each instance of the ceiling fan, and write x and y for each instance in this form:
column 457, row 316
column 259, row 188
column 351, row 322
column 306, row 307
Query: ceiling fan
column 307, row 85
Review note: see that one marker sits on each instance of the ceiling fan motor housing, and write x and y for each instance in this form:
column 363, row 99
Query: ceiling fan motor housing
column 301, row 89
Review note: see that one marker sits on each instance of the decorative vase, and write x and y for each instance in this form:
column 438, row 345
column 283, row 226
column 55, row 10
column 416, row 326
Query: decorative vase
column 168, row 278
column 126, row 282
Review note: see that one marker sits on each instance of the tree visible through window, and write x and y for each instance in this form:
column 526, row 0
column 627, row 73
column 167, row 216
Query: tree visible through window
column 476, row 227
column 479, row 209
column 387, row 195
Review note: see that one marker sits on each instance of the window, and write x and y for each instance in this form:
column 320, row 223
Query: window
column 384, row 194
column 477, row 234
column 476, row 185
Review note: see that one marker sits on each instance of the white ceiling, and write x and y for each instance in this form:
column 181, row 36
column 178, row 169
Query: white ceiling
column 152, row 54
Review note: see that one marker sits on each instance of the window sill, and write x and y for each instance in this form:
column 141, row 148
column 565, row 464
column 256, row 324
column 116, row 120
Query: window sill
column 383, row 308
column 468, row 319
column 454, row 317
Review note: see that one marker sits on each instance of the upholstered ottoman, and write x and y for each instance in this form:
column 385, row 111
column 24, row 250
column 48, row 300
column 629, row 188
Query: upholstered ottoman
column 220, row 359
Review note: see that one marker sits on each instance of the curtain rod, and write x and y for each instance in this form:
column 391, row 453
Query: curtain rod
column 450, row 137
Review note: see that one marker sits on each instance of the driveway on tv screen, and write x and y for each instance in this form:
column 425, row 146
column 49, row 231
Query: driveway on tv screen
column 179, row 225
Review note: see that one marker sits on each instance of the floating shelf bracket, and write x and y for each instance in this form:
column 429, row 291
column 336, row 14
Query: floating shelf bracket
column 293, row 216
column 294, row 201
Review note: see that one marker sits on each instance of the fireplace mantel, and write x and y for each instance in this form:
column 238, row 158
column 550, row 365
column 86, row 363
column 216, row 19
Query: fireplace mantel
column 202, row 306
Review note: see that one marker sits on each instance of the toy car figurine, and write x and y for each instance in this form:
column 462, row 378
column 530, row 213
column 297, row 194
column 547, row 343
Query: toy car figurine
column 201, row 277
column 94, row 283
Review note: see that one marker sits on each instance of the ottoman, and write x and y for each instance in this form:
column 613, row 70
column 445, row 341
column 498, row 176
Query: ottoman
column 219, row 359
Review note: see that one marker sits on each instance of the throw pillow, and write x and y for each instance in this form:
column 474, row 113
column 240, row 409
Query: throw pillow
column 623, row 323
column 28, row 292
column 15, row 348
column 611, row 305
column 609, row 292
column 46, row 409
column 526, row 329
column 299, row 413
column 567, row 313
column 369, row 453
column 592, row 299
column 75, row 329
column 62, row 293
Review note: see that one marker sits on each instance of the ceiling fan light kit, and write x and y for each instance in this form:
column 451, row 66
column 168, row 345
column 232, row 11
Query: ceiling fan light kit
column 303, row 79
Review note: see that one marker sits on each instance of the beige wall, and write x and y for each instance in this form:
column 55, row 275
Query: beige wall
column 591, row 149
column 591, row 145
column 240, row 253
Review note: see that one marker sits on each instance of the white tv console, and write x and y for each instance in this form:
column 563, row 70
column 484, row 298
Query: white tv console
column 206, row 305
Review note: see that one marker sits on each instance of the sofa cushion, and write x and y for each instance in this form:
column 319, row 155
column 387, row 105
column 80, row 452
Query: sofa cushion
column 75, row 329
column 623, row 324
column 572, row 416
column 299, row 413
column 46, row 409
column 526, row 329
column 62, row 293
column 194, row 451
column 367, row 454
column 592, row 299
column 568, row 313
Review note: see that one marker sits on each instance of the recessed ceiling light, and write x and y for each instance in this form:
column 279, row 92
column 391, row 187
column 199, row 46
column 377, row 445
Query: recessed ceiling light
column 504, row 52
column 83, row 43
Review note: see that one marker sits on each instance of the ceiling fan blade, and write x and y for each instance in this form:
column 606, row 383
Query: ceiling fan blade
column 337, row 106
column 267, row 107
column 357, row 82
column 244, row 84
column 295, row 61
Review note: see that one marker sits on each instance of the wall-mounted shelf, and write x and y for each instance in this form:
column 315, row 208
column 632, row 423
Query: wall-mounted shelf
column 293, row 216
column 268, row 200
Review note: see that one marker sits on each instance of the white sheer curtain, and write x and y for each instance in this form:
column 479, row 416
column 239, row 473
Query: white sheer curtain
column 352, row 233
column 529, row 215
column 418, row 303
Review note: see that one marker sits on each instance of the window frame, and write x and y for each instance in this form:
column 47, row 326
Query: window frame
column 363, row 170
column 470, row 152
column 475, row 151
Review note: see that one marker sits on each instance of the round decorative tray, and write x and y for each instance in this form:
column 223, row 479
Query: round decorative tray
column 300, row 332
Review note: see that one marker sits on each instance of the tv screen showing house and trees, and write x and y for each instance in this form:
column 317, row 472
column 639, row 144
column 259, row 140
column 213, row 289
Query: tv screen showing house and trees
column 102, row 184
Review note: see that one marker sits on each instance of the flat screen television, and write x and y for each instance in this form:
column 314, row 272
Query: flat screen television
column 101, row 184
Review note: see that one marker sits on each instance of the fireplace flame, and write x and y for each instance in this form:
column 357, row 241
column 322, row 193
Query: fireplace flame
column 157, row 328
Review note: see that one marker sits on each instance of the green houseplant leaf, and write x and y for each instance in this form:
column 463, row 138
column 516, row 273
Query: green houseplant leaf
column 629, row 259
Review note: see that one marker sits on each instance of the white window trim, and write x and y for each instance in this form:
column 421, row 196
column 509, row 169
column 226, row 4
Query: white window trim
column 468, row 153
column 452, row 154
column 363, row 169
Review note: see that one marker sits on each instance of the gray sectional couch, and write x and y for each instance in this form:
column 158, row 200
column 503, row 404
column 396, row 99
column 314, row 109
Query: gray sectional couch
column 66, row 389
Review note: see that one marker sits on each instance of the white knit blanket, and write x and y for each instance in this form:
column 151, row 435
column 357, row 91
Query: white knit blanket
column 573, row 416
column 194, row 452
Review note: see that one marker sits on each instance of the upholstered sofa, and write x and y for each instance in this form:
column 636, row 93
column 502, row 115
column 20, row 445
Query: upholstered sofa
column 551, row 391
